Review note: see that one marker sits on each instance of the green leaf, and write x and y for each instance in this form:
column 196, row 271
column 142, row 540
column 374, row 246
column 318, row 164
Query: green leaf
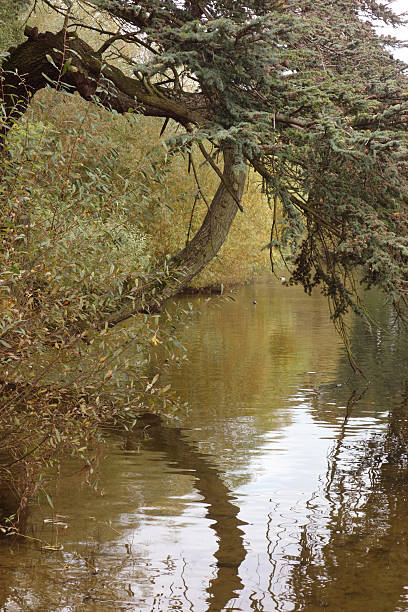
column 50, row 60
column 49, row 500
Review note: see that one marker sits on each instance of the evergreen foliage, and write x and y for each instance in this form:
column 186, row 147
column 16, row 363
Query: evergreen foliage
column 310, row 94
column 306, row 93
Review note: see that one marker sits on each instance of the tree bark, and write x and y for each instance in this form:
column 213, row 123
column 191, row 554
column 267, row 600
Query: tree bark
column 204, row 246
column 65, row 61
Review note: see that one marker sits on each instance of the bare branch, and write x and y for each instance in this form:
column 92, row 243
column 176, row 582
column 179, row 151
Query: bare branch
column 220, row 174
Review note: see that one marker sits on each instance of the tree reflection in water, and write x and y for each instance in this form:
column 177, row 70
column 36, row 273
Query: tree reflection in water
column 266, row 440
column 360, row 559
column 220, row 508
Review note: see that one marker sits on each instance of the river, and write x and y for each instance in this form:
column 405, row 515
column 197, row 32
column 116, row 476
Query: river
column 283, row 487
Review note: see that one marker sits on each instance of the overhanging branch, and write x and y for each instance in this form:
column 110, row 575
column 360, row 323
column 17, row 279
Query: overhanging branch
column 63, row 60
column 297, row 201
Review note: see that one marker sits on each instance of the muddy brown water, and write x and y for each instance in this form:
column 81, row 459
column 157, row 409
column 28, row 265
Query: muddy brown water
column 279, row 490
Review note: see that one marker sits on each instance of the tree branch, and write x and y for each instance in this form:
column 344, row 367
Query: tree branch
column 300, row 203
column 198, row 252
column 67, row 61
column 220, row 174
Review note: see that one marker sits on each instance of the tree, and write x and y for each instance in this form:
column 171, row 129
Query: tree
column 304, row 92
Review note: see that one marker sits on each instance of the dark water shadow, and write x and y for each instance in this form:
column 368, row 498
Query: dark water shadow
column 362, row 562
column 181, row 454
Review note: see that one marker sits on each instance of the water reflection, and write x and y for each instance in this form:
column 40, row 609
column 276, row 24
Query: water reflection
column 284, row 489
column 221, row 511
column 361, row 557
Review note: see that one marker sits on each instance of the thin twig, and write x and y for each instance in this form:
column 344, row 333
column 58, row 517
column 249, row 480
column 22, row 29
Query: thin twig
column 30, row 452
column 220, row 174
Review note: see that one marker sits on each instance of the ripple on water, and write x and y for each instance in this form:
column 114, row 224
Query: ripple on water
column 280, row 492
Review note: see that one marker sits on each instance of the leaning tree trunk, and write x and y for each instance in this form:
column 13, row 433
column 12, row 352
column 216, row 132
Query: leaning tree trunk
column 63, row 60
column 205, row 245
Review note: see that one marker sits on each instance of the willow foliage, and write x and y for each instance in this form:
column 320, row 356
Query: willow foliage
column 309, row 94
column 306, row 93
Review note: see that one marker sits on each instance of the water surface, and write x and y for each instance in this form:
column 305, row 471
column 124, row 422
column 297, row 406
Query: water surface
column 284, row 487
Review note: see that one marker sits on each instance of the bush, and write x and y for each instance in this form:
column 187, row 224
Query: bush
column 71, row 245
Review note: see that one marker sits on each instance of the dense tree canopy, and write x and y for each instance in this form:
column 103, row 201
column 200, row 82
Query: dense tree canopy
column 306, row 93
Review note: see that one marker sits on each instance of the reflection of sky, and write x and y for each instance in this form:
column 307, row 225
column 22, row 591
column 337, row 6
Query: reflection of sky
column 167, row 533
column 282, row 499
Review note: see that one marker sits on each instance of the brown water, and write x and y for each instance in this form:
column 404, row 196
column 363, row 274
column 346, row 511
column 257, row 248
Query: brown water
column 278, row 491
